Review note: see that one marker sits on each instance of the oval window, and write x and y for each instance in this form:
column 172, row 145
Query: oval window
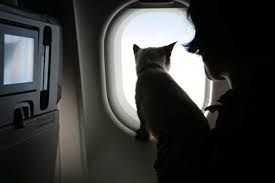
column 149, row 27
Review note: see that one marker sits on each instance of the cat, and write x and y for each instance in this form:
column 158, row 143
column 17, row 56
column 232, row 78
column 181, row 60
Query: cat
column 167, row 114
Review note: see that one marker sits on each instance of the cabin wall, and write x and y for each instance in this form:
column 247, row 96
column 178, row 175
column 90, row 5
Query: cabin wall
column 112, row 155
column 72, row 152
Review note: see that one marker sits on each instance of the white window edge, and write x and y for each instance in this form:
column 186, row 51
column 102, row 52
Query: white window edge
column 120, row 117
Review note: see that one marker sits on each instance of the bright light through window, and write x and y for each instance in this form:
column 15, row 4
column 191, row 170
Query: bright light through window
column 149, row 27
column 159, row 27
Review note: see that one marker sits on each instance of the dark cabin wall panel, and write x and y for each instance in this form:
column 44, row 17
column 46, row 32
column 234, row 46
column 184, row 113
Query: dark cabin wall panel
column 112, row 155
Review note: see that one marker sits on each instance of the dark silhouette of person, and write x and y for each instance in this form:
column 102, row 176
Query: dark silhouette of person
column 233, row 39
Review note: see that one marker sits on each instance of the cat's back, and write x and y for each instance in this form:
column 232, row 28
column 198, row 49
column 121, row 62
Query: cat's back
column 163, row 102
column 158, row 83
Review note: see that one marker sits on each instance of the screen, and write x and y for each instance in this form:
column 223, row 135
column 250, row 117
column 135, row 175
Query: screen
column 18, row 59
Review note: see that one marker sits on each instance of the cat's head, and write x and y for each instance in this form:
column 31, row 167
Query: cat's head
column 157, row 56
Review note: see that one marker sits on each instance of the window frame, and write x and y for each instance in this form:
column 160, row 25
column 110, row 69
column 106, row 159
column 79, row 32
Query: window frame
column 125, row 119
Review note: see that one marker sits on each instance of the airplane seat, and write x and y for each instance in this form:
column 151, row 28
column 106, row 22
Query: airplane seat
column 28, row 154
column 29, row 133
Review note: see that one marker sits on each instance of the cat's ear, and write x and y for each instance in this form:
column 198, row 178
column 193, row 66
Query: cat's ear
column 169, row 48
column 136, row 48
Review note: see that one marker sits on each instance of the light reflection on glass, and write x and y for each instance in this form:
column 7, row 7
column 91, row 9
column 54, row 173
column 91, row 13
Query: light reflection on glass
column 18, row 59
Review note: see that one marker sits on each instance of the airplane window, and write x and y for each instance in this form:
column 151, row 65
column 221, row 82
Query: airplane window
column 152, row 28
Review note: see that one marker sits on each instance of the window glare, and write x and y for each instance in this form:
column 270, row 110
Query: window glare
column 159, row 27
column 18, row 59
